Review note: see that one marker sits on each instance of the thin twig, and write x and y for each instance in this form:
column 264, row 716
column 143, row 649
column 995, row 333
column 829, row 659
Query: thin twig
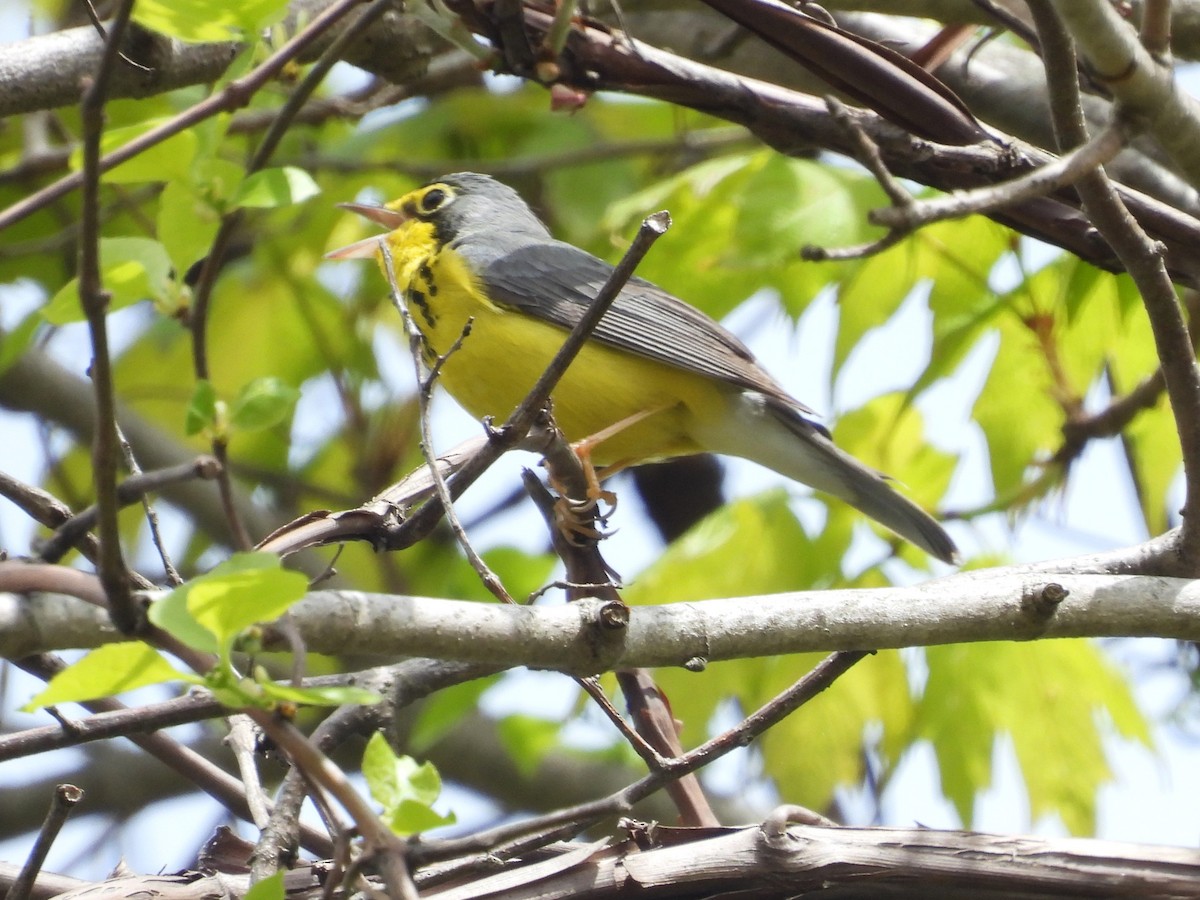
column 132, row 489
column 184, row 710
column 688, row 145
column 66, row 796
column 556, row 37
column 229, row 223
column 94, row 18
column 404, row 684
column 866, row 151
column 243, row 741
column 282, row 732
column 566, row 823
column 44, row 508
column 1142, row 258
column 131, row 463
column 653, row 227
column 1047, row 179
column 425, row 379
column 198, row 770
column 94, row 299
column 654, row 734
column 232, row 96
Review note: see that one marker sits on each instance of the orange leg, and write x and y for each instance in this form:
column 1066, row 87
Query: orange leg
column 575, row 517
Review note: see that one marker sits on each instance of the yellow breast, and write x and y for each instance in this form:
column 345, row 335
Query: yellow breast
column 506, row 351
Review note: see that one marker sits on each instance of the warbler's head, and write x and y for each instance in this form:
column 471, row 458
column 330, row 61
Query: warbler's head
column 461, row 207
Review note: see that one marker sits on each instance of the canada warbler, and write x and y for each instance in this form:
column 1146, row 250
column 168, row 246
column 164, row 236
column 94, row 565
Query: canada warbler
column 657, row 379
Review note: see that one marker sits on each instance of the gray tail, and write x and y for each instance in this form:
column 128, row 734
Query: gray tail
column 825, row 467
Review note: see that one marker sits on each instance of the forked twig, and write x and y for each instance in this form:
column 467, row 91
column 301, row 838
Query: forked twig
column 426, row 375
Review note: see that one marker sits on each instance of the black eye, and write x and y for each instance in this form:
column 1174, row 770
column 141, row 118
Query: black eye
column 433, row 200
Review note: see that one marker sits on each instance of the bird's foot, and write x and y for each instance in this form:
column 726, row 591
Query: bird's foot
column 584, row 521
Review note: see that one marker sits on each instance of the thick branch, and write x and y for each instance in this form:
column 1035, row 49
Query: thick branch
column 43, row 72
column 994, row 606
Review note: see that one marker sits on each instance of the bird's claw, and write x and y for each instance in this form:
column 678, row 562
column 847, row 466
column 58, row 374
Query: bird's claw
column 577, row 519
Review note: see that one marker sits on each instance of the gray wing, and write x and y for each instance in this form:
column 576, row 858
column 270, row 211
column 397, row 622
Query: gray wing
column 556, row 281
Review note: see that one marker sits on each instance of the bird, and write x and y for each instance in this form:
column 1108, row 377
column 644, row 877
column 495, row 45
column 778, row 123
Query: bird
column 657, row 379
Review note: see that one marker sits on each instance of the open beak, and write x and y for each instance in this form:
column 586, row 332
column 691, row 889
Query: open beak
column 366, row 248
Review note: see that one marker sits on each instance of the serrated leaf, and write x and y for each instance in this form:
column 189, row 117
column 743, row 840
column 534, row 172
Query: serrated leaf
column 405, row 788
column 832, row 730
column 262, row 403
column 888, row 434
column 757, row 547
column 275, row 187
column 958, row 259
column 1046, row 696
column 211, row 610
column 131, row 269
column 869, row 296
column 1152, row 444
column 739, row 224
column 1021, row 426
column 751, row 546
column 105, row 671
column 788, row 203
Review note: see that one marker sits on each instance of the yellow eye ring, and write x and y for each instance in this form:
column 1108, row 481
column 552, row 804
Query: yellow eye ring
column 434, row 199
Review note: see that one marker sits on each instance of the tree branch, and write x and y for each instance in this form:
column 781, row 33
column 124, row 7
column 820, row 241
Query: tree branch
column 994, row 605
column 1143, row 86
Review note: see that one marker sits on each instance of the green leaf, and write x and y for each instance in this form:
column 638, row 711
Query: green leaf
column 200, row 21
column 235, row 691
column 187, row 223
column 520, row 572
column 202, row 409
column 15, row 342
column 405, row 789
column 333, row 695
column 444, row 709
column 958, row 259
column 131, row 269
column 1046, row 696
column 167, row 160
column 211, row 610
column 789, row 203
column 869, row 296
column 270, row 888
column 1020, row 426
column 753, row 545
column 697, row 260
column 888, row 434
column 528, row 739
column 757, row 547
column 1152, row 443
column 262, row 403
column 276, row 187
column 108, row 670
column 832, row 730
